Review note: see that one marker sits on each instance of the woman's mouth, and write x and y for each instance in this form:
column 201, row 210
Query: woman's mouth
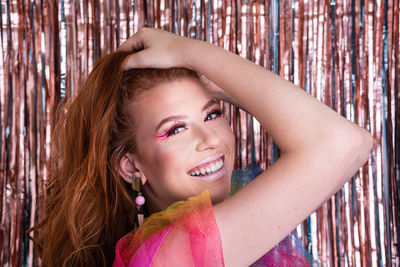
column 211, row 170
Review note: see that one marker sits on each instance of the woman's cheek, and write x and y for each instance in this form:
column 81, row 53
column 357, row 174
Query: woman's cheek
column 166, row 149
column 224, row 127
column 228, row 135
column 170, row 153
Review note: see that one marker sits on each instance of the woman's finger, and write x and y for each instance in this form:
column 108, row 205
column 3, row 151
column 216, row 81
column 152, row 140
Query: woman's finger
column 136, row 61
column 134, row 42
column 153, row 48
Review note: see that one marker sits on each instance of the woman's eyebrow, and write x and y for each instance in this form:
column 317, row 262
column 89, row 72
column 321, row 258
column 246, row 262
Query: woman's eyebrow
column 209, row 104
column 170, row 118
column 177, row 117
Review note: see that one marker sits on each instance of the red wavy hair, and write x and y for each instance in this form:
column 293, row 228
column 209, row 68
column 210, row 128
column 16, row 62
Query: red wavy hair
column 89, row 207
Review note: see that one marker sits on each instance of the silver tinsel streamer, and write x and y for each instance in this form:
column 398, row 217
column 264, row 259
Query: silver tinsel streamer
column 344, row 53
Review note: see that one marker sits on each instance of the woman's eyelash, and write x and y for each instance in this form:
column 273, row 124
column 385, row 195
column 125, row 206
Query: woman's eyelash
column 175, row 128
column 216, row 112
column 172, row 130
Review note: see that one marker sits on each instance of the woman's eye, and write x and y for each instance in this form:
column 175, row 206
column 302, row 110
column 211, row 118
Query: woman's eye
column 213, row 115
column 176, row 130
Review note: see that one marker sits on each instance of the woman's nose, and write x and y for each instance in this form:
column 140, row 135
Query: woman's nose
column 207, row 138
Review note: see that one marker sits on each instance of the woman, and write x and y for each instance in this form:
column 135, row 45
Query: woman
column 161, row 130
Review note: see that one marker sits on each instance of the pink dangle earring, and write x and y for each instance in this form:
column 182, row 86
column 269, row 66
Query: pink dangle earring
column 140, row 200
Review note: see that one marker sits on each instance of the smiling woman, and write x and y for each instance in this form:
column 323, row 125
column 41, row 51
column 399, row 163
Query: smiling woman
column 145, row 120
column 179, row 128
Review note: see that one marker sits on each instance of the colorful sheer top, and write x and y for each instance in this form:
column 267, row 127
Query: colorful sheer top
column 186, row 234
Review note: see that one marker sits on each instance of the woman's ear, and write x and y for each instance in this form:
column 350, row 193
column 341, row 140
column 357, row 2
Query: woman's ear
column 127, row 167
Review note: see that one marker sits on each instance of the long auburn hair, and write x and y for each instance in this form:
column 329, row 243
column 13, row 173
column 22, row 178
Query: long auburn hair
column 88, row 206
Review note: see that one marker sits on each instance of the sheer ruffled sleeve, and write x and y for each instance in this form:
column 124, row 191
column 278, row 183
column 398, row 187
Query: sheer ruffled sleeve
column 185, row 234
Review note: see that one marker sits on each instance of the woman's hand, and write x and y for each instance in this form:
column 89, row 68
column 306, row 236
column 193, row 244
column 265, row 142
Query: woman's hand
column 155, row 48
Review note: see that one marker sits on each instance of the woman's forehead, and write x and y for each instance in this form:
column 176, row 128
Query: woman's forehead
column 173, row 94
column 169, row 99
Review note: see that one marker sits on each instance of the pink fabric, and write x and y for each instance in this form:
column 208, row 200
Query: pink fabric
column 144, row 256
column 284, row 254
column 186, row 234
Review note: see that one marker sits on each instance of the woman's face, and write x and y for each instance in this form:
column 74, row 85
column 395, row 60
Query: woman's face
column 185, row 144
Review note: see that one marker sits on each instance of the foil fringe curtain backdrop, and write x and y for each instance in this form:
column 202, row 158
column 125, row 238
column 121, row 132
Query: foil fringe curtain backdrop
column 344, row 53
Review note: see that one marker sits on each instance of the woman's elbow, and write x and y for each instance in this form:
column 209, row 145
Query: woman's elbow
column 364, row 146
column 349, row 148
column 356, row 149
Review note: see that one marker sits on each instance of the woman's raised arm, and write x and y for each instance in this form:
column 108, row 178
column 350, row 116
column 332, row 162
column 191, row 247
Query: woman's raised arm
column 320, row 150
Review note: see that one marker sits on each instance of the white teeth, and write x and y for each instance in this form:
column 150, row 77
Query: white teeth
column 210, row 169
column 213, row 167
column 216, row 166
column 219, row 164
